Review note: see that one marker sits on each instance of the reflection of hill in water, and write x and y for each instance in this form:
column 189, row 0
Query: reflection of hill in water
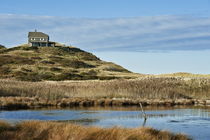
column 81, row 121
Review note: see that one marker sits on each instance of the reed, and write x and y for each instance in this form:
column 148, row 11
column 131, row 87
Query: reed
column 144, row 88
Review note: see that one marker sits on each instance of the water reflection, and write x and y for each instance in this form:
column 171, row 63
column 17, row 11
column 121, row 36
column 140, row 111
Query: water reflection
column 80, row 121
column 194, row 121
column 144, row 123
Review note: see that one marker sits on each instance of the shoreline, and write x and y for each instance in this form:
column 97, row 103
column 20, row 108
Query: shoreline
column 9, row 103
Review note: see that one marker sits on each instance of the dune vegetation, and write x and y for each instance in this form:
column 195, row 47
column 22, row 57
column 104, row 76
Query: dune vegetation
column 38, row 130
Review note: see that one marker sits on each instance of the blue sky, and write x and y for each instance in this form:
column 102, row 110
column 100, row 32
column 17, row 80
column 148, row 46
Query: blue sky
column 145, row 36
column 105, row 8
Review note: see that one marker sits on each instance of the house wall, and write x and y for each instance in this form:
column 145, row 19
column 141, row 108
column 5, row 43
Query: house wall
column 39, row 44
column 38, row 39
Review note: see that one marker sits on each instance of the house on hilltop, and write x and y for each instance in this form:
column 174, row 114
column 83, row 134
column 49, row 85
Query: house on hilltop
column 39, row 39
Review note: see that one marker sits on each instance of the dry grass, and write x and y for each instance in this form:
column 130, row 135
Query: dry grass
column 184, row 75
column 145, row 88
column 148, row 91
column 38, row 130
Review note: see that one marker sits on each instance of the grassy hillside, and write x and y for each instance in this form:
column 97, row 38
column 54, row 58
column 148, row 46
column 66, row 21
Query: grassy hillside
column 56, row 63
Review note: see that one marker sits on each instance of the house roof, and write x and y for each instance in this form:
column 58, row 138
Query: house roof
column 37, row 34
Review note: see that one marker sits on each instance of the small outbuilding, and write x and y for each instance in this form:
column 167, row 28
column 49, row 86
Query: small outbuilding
column 39, row 39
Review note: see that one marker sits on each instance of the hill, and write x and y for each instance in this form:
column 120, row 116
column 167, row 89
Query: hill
column 56, row 63
column 2, row 47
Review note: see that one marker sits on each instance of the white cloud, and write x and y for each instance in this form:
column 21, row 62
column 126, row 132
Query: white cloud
column 157, row 33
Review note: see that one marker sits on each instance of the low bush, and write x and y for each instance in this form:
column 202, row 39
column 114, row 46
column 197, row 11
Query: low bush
column 67, row 76
column 27, row 76
column 4, row 70
column 87, row 56
column 75, row 64
column 56, row 69
column 11, row 59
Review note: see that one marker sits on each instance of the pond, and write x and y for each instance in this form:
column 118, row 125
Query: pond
column 193, row 121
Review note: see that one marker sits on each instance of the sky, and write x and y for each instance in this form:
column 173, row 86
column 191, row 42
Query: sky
column 144, row 36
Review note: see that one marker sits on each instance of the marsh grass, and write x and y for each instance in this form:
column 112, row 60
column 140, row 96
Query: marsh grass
column 38, row 130
column 144, row 88
column 149, row 91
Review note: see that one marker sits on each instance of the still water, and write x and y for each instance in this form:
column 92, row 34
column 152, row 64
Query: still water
column 193, row 121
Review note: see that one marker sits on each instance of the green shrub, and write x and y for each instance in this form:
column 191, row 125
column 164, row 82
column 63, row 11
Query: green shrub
column 90, row 75
column 47, row 62
column 107, row 77
column 55, row 58
column 26, row 69
column 33, row 76
column 4, row 70
column 56, row 69
column 46, row 75
column 87, row 56
column 36, row 58
column 11, row 59
column 75, row 64
column 67, row 76
column 25, row 76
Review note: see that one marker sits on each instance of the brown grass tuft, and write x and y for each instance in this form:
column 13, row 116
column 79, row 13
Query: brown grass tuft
column 38, row 130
